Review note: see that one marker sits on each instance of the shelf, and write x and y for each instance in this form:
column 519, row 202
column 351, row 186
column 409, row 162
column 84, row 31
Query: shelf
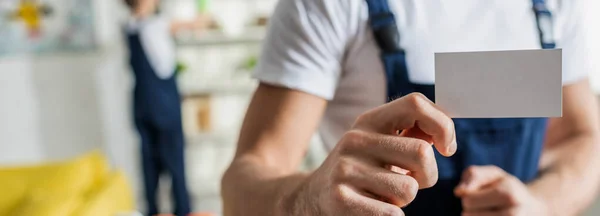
column 213, row 138
column 252, row 36
column 199, row 90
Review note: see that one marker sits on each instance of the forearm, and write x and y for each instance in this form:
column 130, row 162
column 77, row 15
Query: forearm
column 251, row 188
column 569, row 179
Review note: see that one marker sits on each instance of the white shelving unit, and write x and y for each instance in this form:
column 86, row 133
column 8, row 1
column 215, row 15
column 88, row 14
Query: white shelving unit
column 213, row 59
column 251, row 36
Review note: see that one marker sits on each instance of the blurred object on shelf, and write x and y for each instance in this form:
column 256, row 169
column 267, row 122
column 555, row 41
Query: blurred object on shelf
column 203, row 6
column 197, row 112
column 195, row 26
column 180, row 68
column 226, row 22
column 203, row 113
column 252, row 35
column 248, row 65
column 263, row 8
column 213, row 25
column 219, row 89
column 232, row 15
column 262, row 21
column 32, row 13
column 25, row 26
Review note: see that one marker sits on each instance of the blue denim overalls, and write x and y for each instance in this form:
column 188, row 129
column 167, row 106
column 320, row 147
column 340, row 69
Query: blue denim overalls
column 513, row 144
column 157, row 116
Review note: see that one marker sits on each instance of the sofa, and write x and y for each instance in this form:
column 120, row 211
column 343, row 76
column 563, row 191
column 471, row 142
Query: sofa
column 82, row 186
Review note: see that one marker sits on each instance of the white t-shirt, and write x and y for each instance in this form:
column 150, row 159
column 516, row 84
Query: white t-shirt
column 326, row 47
column 157, row 42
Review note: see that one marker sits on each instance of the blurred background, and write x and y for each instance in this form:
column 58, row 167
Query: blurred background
column 65, row 91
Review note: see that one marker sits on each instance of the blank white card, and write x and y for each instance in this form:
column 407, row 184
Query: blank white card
column 499, row 84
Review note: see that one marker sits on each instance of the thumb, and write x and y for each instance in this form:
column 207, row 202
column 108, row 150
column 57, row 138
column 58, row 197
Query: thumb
column 477, row 177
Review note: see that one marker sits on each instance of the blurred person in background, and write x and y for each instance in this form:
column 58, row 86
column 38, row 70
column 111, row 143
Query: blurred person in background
column 156, row 105
column 331, row 64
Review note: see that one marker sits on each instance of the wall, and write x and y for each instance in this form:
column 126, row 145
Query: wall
column 69, row 121
column 113, row 90
column 58, row 106
column 19, row 131
column 63, row 104
column 50, row 105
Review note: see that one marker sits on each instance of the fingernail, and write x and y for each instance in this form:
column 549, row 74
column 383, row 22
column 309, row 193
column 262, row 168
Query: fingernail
column 452, row 148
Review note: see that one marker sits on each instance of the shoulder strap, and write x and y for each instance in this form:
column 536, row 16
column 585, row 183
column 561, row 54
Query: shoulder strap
column 383, row 23
column 387, row 36
column 545, row 24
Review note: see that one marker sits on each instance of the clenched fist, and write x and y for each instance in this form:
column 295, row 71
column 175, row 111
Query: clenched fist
column 490, row 191
column 374, row 169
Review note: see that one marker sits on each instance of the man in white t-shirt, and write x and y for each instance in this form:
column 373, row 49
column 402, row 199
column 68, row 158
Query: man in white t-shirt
column 325, row 66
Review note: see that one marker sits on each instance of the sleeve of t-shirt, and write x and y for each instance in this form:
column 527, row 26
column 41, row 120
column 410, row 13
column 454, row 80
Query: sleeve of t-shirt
column 305, row 45
column 158, row 44
column 579, row 38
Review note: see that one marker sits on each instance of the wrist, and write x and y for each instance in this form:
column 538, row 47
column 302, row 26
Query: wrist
column 542, row 202
column 295, row 200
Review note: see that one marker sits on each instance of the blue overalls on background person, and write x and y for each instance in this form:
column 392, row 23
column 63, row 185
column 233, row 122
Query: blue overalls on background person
column 157, row 116
column 513, row 144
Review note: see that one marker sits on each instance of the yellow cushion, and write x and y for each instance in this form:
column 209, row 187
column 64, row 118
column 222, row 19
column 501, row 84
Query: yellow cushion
column 94, row 163
column 13, row 192
column 76, row 176
column 32, row 183
column 100, row 167
column 59, row 205
column 113, row 196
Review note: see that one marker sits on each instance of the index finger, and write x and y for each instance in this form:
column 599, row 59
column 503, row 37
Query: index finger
column 413, row 110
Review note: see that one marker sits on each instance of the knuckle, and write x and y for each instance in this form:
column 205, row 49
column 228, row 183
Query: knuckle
column 448, row 127
column 424, row 153
column 470, row 171
column 353, row 137
column 509, row 185
column 418, row 101
column 339, row 195
column 361, row 119
column 508, row 197
column 495, row 169
column 426, row 158
column 350, row 140
column 510, row 179
column 410, row 189
column 512, row 200
column 345, row 168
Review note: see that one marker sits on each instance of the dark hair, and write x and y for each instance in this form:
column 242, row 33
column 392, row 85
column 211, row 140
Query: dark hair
column 132, row 4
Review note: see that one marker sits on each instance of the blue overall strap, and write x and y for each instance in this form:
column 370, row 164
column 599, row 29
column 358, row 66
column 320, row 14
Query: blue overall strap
column 545, row 24
column 385, row 31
